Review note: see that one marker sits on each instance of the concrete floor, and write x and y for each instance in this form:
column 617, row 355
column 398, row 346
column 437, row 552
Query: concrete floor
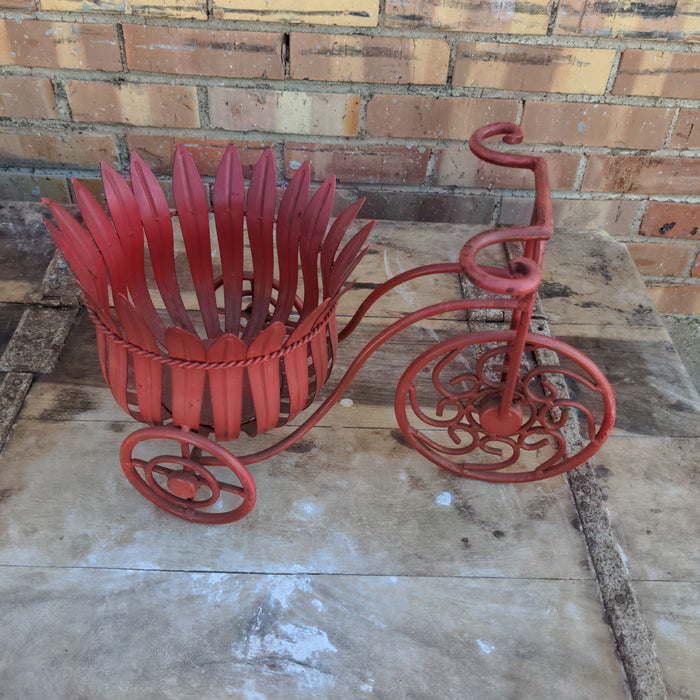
column 685, row 332
column 364, row 570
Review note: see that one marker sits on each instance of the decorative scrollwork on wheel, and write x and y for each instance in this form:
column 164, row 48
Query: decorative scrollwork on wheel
column 561, row 411
column 189, row 485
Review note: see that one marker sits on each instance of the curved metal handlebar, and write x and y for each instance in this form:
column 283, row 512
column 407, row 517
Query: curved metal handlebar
column 523, row 274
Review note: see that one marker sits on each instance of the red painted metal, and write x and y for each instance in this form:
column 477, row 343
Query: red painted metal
column 262, row 353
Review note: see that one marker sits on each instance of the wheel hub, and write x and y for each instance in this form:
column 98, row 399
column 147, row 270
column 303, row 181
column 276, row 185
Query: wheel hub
column 183, row 484
column 493, row 422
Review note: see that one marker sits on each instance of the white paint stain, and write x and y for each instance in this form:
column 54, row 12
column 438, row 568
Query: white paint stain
column 281, row 588
column 503, row 9
column 444, row 499
column 485, row 647
column 346, row 403
column 296, row 648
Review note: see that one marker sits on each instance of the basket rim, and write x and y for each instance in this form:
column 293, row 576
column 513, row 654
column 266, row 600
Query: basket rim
column 318, row 326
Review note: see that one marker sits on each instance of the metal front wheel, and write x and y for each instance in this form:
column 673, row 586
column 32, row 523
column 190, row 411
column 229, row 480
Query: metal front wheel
column 449, row 406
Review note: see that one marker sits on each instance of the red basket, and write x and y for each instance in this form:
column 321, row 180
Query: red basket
column 251, row 361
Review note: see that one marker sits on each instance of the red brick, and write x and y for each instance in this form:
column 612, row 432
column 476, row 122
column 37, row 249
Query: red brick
column 614, row 126
column 471, row 15
column 196, row 9
column 348, row 13
column 143, row 104
column 672, row 219
column 204, row 52
column 643, row 174
column 26, row 97
column 661, row 258
column 288, row 112
column 532, row 68
column 687, row 131
column 404, row 165
column 677, row 20
column 59, row 45
column 458, row 167
column 158, row 151
column 18, row 4
column 676, row 298
column 369, row 59
column 658, row 74
column 65, row 150
column 416, row 116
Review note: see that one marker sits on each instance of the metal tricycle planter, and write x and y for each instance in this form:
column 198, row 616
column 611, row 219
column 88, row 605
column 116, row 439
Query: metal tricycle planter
column 259, row 347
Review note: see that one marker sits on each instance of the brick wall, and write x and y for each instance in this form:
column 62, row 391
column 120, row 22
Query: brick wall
column 384, row 93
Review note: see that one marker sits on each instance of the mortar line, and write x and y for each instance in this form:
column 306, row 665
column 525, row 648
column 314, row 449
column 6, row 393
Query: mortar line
column 675, row 42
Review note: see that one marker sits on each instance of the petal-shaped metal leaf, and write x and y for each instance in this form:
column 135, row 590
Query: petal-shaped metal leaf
column 333, row 239
column 226, row 386
column 84, row 255
column 187, row 382
column 296, row 363
column 127, row 222
column 260, row 215
column 148, row 371
column 192, row 209
column 104, row 235
column 229, row 207
column 315, row 221
column 348, row 258
column 155, row 214
column 264, row 376
column 289, row 222
column 83, row 276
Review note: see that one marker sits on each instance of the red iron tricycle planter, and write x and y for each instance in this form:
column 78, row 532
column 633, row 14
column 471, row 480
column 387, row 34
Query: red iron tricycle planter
column 257, row 350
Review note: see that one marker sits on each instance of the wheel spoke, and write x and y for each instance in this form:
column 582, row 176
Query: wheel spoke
column 164, row 471
column 231, row 488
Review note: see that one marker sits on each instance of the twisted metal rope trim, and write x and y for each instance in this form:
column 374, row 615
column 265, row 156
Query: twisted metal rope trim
column 194, row 364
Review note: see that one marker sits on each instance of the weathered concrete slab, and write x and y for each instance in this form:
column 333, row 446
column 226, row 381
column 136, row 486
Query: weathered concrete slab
column 26, row 249
column 652, row 490
column 143, row 634
column 590, row 278
column 672, row 610
column 685, row 331
column 342, row 501
column 652, row 388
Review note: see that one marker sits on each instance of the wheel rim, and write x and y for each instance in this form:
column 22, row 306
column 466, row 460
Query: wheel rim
column 177, row 490
column 465, row 423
